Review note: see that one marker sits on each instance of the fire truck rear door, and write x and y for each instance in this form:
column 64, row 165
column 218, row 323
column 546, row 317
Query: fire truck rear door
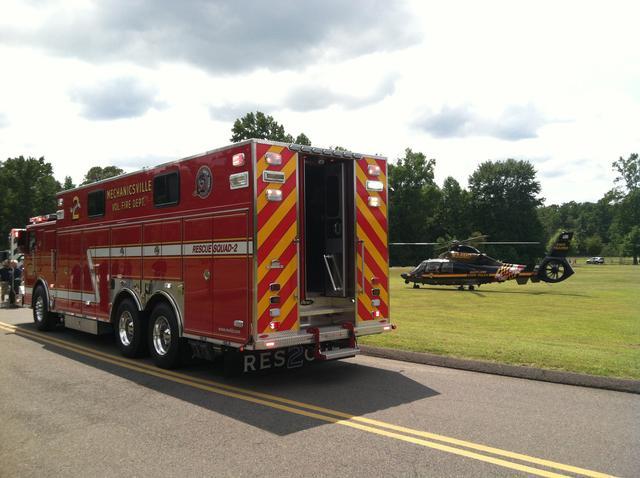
column 371, row 230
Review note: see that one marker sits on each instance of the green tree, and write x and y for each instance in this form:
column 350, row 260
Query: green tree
column 413, row 201
column 628, row 171
column 631, row 244
column 98, row 173
column 453, row 213
column 68, row 183
column 626, row 215
column 261, row 126
column 504, row 199
column 626, row 203
column 550, row 218
column 302, row 139
column 593, row 245
column 28, row 189
column 585, row 219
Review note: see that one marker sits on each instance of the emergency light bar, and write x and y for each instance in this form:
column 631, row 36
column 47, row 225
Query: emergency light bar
column 325, row 152
column 45, row 218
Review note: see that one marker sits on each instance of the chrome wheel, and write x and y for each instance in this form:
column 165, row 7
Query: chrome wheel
column 161, row 335
column 125, row 328
column 39, row 309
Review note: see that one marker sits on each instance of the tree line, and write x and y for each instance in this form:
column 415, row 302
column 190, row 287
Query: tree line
column 608, row 227
column 502, row 201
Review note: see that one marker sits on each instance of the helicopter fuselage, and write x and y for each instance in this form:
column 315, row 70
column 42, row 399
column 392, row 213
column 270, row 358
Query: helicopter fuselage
column 464, row 265
column 467, row 271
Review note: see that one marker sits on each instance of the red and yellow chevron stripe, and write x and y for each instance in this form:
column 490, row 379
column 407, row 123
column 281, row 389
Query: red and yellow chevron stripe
column 372, row 230
column 277, row 231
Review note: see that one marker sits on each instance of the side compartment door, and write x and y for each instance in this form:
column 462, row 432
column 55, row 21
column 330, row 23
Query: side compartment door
column 162, row 251
column 198, row 266
column 60, row 289
column 372, row 259
column 126, row 254
column 95, row 282
column 76, row 262
column 46, row 257
column 231, row 276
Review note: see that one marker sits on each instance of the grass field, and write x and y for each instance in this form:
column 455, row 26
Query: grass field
column 589, row 323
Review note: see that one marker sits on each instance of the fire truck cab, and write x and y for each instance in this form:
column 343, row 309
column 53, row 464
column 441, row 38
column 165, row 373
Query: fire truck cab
column 265, row 252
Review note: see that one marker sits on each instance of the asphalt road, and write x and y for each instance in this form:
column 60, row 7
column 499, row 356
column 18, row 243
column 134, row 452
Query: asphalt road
column 71, row 406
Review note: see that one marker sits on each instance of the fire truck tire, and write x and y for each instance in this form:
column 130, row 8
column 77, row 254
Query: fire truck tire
column 165, row 345
column 130, row 330
column 43, row 319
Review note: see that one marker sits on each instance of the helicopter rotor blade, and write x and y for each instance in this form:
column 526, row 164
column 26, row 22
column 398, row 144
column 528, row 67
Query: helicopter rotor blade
column 472, row 239
column 446, row 244
column 512, row 243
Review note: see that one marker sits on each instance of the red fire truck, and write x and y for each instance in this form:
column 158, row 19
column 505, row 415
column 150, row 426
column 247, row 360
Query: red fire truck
column 263, row 252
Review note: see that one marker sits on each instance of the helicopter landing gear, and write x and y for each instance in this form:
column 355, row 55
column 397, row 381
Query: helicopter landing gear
column 416, row 285
column 470, row 287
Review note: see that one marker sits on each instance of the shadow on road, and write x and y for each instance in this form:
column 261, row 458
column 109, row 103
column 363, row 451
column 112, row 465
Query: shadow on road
column 347, row 387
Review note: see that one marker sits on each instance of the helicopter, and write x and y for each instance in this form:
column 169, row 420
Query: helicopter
column 464, row 265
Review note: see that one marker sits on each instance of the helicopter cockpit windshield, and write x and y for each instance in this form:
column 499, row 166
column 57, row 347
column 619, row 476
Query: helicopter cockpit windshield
column 419, row 268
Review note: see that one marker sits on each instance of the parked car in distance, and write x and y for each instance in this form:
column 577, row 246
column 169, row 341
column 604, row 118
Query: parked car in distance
column 595, row 260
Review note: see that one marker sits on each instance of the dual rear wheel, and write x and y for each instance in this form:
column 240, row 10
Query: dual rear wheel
column 157, row 335
column 136, row 335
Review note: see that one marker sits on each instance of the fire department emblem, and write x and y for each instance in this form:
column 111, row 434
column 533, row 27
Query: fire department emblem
column 75, row 208
column 203, row 182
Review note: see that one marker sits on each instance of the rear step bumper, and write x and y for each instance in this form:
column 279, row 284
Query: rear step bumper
column 288, row 338
column 339, row 353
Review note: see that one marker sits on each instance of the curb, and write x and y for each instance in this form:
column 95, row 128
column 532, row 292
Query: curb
column 517, row 371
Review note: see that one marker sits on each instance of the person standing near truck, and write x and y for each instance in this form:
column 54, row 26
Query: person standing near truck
column 14, row 281
column 5, row 279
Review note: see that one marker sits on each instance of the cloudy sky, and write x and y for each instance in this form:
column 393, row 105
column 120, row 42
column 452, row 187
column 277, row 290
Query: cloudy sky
column 134, row 83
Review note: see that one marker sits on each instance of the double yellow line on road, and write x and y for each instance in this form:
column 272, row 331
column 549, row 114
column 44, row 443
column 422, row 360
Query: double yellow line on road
column 454, row 446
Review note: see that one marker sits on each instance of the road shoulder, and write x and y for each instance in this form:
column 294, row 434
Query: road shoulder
column 517, row 371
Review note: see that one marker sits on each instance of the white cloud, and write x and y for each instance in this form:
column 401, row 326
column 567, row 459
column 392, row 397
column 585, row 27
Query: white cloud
column 554, row 83
column 218, row 36
column 116, row 98
column 312, row 97
column 515, row 122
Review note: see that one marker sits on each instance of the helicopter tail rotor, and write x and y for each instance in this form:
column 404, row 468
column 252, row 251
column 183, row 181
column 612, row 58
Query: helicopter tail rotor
column 554, row 269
